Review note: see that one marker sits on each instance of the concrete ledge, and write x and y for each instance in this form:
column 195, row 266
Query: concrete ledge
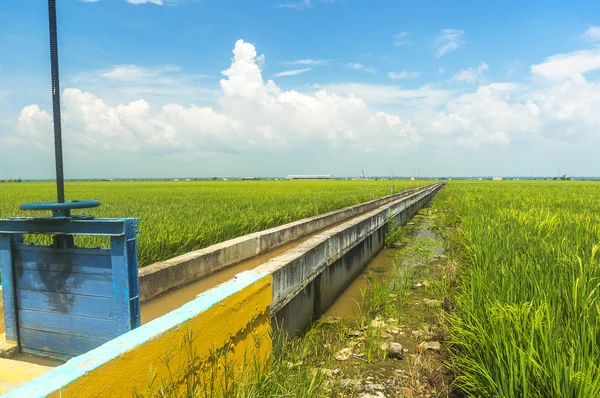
column 308, row 278
column 231, row 318
column 160, row 278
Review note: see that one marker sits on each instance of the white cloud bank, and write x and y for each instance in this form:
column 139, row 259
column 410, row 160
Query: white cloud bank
column 253, row 115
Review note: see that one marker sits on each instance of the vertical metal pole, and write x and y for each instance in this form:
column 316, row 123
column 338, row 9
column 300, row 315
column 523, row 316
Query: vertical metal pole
column 58, row 152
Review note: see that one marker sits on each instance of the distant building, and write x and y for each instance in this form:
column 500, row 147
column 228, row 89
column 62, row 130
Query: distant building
column 497, row 178
column 309, row 177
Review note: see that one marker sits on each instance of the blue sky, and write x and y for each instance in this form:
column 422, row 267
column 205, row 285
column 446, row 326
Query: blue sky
column 202, row 88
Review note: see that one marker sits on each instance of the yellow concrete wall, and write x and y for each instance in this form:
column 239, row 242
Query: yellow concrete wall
column 1, row 314
column 240, row 322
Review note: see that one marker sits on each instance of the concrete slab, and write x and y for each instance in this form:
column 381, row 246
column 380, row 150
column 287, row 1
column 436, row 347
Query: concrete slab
column 18, row 371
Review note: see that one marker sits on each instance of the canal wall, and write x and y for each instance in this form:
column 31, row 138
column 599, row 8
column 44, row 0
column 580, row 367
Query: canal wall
column 162, row 277
column 225, row 325
column 235, row 318
column 308, row 278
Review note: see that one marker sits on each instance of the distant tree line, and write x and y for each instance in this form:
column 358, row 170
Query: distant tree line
column 11, row 180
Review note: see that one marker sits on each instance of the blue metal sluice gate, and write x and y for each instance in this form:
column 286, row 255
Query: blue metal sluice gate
column 61, row 300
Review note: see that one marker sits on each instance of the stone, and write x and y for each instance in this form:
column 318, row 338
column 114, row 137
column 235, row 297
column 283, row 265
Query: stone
column 395, row 350
column 374, row 387
column 432, row 303
column 376, row 394
column 393, row 330
column 428, row 346
column 384, row 346
column 377, row 323
column 433, row 345
column 355, row 333
column 344, row 354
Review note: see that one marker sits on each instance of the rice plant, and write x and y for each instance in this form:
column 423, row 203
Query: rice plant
column 527, row 319
column 179, row 217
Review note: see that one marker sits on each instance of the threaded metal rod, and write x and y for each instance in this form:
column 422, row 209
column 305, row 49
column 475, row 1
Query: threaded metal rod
column 58, row 150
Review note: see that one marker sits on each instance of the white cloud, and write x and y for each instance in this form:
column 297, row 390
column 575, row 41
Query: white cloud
column 563, row 66
column 253, row 115
column 487, row 116
column 157, row 2
column 303, row 4
column 447, row 41
column 424, row 96
column 592, row 34
column 401, row 39
column 306, row 62
column 292, row 72
column 403, row 75
column 359, row 66
column 440, row 70
column 137, row 73
column 471, row 75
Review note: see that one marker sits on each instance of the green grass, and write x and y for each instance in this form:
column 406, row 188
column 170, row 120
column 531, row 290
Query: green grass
column 178, row 217
column 527, row 319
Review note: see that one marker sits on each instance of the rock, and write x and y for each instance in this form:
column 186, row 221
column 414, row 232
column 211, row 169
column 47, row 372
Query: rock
column 432, row 303
column 386, row 336
column 376, row 394
column 417, row 285
column 433, row 345
column 374, row 387
column 349, row 383
column 377, row 323
column 344, row 354
column 392, row 320
column 395, row 350
column 359, row 355
column 393, row 330
column 384, row 346
column 428, row 346
column 355, row 333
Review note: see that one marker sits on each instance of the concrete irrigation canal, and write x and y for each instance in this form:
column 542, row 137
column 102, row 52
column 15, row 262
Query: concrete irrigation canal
column 227, row 296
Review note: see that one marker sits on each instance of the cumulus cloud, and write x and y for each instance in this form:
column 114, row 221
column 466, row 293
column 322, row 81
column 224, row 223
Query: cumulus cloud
column 448, row 40
column 563, row 66
column 252, row 115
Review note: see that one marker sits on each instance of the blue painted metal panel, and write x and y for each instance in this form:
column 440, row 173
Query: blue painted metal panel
column 132, row 270
column 63, row 282
column 65, row 324
column 8, row 289
column 89, row 261
column 120, row 283
column 90, row 306
column 97, row 226
column 56, row 345
column 68, row 301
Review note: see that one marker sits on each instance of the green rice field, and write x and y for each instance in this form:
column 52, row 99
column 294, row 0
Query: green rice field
column 178, row 217
column 527, row 315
